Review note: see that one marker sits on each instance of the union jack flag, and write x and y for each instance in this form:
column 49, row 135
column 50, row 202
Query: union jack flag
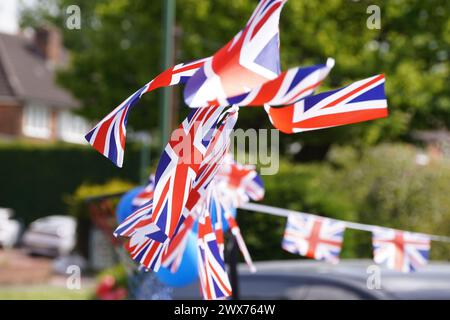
column 175, row 171
column 109, row 135
column 314, row 237
column 136, row 220
column 238, row 183
column 172, row 257
column 360, row 101
column 217, row 151
column 289, row 87
column 234, row 185
column 152, row 253
column 250, row 59
column 199, row 196
column 213, row 205
column 178, row 167
column 146, row 251
column 142, row 249
column 143, row 231
column 145, row 195
column 400, row 250
column 213, row 276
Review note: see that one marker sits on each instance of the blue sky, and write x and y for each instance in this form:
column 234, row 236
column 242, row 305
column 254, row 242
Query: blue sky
column 8, row 16
column 9, row 10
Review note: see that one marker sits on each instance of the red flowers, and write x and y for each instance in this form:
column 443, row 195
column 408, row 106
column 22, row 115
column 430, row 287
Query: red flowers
column 108, row 290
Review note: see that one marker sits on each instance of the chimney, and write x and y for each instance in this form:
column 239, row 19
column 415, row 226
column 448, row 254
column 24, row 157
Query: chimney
column 48, row 43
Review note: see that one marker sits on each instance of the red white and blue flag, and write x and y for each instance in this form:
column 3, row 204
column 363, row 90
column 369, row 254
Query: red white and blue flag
column 179, row 166
column 314, row 237
column 148, row 244
column 250, row 59
column 198, row 197
column 237, row 184
column 135, row 221
column 213, row 276
column 234, row 185
column 146, row 251
column 173, row 256
column 360, row 101
column 109, row 135
column 289, row 87
column 175, row 173
column 142, row 249
column 400, row 250
column 145, row 195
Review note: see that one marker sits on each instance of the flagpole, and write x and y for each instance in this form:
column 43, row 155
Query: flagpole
column 351, row 225
column 167, row 59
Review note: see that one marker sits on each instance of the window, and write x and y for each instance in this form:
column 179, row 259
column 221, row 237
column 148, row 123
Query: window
column 36, row 121
column 72, row 128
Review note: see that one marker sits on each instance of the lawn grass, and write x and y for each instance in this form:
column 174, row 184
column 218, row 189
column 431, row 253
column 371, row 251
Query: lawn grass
column 43, row 292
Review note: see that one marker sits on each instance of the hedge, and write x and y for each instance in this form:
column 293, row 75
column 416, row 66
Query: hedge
column 35, row 179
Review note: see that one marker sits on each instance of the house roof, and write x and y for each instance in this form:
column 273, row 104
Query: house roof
column 5, row 88
column 25, row 75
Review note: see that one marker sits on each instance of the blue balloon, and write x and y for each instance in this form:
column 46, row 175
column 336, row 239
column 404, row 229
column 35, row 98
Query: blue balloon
column 125, row 206
column 187, row 272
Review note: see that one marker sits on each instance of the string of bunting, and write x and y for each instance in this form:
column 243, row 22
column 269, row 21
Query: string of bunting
column 321, row 238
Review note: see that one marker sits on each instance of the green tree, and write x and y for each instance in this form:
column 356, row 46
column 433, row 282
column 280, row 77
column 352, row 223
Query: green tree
column 118, row 49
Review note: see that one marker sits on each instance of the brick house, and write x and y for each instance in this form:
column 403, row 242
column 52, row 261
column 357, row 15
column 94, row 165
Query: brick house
column 32, row 106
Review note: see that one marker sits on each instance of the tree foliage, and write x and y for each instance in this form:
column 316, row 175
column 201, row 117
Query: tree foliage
column 118, row 49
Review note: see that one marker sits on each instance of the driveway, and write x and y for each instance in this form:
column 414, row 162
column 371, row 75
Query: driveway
column 17, row 267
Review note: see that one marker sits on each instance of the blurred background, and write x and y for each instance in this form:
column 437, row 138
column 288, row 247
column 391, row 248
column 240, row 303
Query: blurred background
column 57, row 80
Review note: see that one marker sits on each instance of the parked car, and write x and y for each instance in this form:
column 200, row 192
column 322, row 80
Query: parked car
column 52, row 235
column 9, row 229
column 348, row 280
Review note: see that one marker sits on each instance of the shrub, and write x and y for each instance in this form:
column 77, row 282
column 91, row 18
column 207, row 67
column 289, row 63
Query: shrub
column 78, row 207
column 76, row 202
